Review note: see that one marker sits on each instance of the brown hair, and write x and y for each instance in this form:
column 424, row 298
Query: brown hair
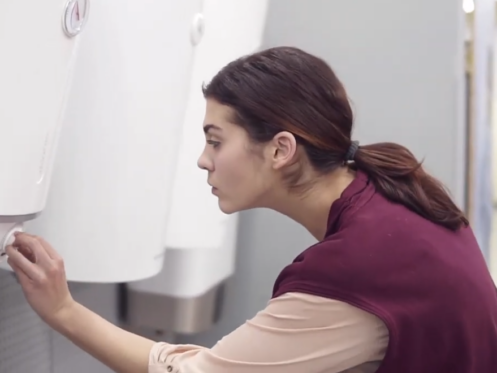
column 287, row 89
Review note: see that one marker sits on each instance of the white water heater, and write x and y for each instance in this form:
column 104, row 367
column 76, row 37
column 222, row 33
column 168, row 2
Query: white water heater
column 38, row 44
column 110, row 193
column 200, row 240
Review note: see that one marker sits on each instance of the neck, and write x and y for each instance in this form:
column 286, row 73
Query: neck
column 312, row 209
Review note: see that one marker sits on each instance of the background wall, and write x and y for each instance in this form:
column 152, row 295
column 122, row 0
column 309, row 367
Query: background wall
column 493, row 240
column 403, row 68
column 484, row 17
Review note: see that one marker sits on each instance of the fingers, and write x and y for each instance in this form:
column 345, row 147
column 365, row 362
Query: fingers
column 22, row 277
column 22, row 265
column 48, row 248
column 24, row 241
column 33, row 257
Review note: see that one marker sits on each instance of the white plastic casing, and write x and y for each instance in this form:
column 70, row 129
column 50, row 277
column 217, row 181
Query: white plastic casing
column 36, row 63
column 110, row 194
column 200, row 239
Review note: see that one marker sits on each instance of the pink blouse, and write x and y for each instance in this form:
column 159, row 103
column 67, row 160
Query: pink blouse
column 296, row 333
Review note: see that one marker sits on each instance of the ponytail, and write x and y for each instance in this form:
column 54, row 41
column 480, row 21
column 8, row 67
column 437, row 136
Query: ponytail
column 399, row 177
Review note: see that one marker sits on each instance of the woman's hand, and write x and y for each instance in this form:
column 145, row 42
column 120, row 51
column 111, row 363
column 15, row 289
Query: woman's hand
column 40, row 271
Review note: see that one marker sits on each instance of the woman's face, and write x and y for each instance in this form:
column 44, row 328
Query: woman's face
column 238, row 172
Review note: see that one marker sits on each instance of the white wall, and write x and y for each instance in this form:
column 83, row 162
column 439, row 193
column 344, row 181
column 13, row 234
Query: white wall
column 494, row 121
column 482, row 191
column 493, row 239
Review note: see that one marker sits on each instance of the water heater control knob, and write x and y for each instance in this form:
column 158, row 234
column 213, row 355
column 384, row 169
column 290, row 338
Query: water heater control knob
column 9, row 240
column 197, row 29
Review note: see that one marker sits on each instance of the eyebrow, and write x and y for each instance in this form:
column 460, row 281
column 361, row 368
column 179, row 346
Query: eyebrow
column 209, row 127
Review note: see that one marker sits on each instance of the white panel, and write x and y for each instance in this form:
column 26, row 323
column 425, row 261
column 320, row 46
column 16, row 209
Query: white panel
column 109, row 199
column 190, row 272
column 232, row 29
column 35, row 69
column 494, row 120
column 201, row 238
column 483, row 53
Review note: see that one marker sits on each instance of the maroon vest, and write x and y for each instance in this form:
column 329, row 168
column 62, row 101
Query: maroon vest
column 429, row 285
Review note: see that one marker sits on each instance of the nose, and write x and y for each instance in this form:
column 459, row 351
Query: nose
column 204, row 163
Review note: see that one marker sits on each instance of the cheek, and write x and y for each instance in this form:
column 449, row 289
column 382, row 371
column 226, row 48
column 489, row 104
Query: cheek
column 243, row 176
column 231, row 171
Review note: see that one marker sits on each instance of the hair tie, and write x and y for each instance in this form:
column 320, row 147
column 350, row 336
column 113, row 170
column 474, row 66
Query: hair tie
column 352, row 150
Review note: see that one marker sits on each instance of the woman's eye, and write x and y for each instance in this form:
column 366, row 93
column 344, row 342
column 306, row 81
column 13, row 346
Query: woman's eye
column 214, row 144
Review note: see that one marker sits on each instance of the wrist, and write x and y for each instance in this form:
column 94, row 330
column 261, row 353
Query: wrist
column 65, row 317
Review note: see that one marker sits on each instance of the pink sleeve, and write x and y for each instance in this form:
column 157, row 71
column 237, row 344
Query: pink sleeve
column 295, row 333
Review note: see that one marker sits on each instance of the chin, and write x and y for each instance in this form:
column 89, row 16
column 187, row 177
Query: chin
column 229, row 208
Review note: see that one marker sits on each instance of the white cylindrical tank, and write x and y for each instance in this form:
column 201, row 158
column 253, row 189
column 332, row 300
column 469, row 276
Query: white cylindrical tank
column 110, row 193
column 200, row 239
column 38, row 45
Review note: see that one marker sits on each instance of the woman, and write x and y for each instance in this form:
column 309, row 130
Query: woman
column 396, row 284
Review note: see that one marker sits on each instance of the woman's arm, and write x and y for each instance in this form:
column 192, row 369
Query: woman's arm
column 122, row 351
column 295, row 333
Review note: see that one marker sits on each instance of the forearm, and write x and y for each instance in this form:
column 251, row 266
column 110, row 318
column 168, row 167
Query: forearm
column 122, row 351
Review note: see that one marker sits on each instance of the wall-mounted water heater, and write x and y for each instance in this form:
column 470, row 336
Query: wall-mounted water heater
column 110, row 196
column 38, row 44
column 200, row 240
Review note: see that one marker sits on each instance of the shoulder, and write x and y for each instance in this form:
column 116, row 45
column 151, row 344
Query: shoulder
column 372, row 244
column 343, row 257
column 320, row 268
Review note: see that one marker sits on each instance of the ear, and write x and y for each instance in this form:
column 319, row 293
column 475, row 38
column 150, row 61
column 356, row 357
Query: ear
column 283, row 148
